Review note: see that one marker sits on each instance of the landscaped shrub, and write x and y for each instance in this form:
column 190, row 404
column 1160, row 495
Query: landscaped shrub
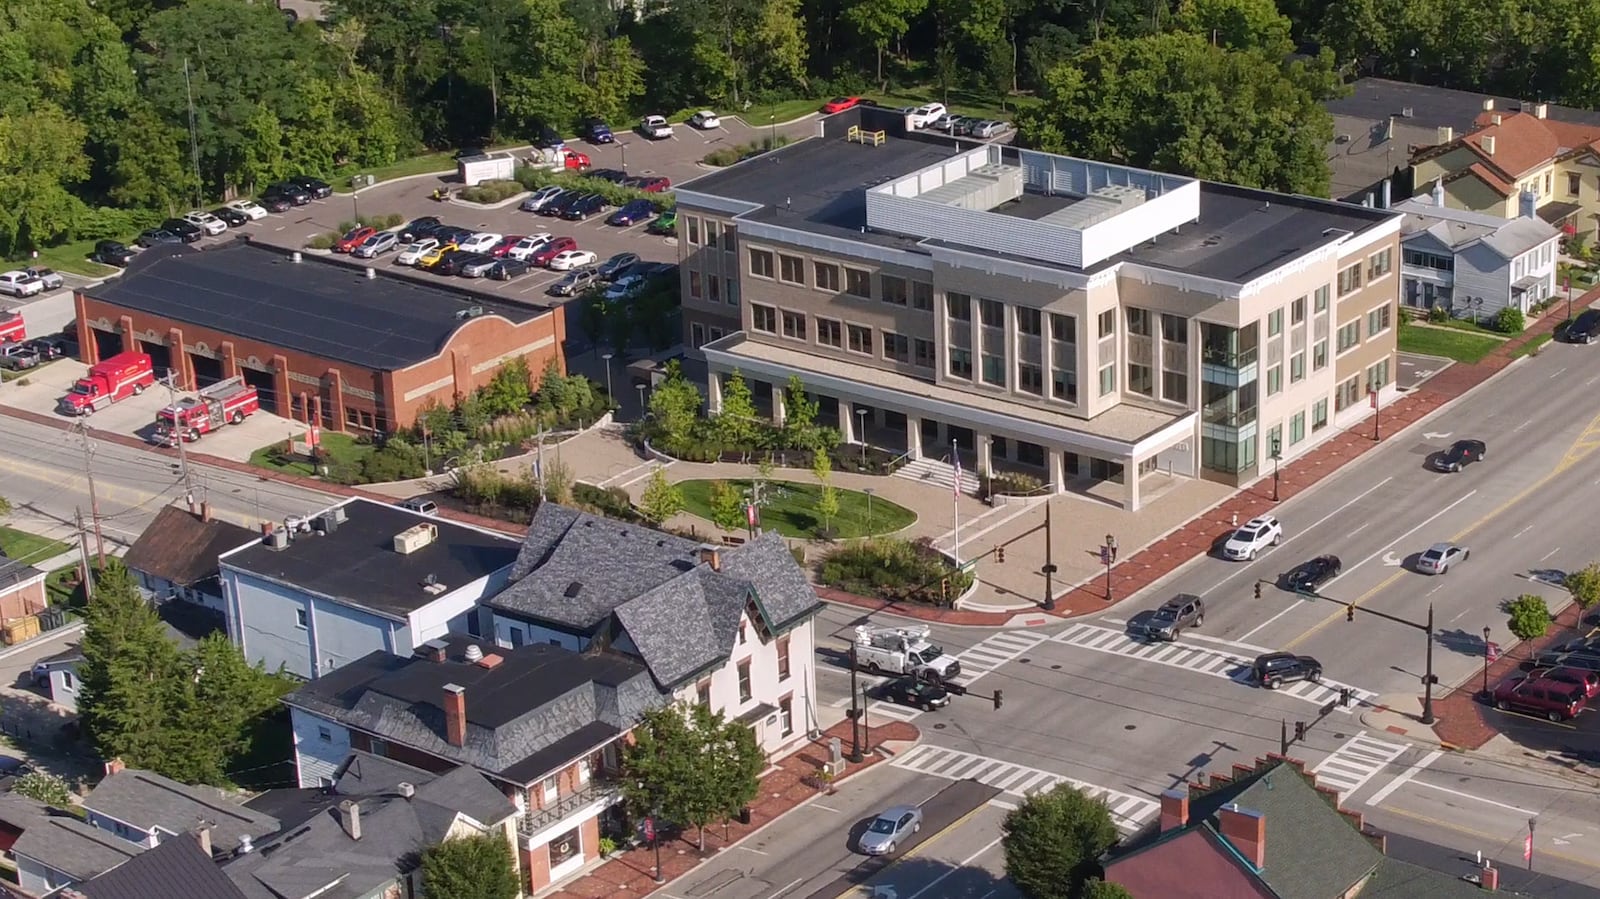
column 896, row 570
column 615, row 194
column 488, row 491
column 612, row 502
column 396, row 460
column 323, row 241
column 727, row 156
column 491, row 191
column 1509, row 320
column 1439, row 313
column 1009, row 483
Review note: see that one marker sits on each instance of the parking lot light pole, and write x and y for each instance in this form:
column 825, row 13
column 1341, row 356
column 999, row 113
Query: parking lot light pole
column 1427, row 677
column 1276, row 456
column 861, row 434
column 1486, row 661
column 606, row 357
column 1049, row 568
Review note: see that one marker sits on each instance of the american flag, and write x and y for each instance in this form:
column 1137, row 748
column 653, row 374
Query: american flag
column 957, row 489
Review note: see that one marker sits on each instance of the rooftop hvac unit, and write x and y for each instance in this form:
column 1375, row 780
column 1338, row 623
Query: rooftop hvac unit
column 278, row 539
column 415, row 537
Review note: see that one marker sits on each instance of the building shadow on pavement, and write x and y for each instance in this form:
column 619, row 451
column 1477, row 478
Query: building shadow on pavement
column 881, row 878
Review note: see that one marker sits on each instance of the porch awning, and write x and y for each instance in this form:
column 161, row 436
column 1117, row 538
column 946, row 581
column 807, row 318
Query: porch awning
column 1556, row 213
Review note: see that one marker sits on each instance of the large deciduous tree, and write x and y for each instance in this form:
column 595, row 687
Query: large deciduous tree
column 1052, row 841
column 478, row 866
column 691, row 766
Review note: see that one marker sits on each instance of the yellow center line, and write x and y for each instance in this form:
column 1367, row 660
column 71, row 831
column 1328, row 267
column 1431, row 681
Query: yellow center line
column 1538, row 852
column 1581, row 448
column 916, row 850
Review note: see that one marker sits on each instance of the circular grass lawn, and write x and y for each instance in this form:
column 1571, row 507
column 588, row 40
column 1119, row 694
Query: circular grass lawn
column 790, row 509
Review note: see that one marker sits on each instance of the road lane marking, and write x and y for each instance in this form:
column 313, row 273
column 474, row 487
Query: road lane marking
column 1297, row 535
column 787, row 887
column 1513, row 808
column 1129, row 811
column 1355, row 762
column 1401, row 779
column 1514, row 839
column 964, row 862
column 1265, row 624
column 1521, row 532
column 1549, row 554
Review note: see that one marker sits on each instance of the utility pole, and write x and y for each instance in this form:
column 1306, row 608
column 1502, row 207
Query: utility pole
column 83, row 553
column 177, row 436
column 94, row 500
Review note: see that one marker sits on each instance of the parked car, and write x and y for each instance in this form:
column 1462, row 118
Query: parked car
column 413, row 252
column 233, row 218
column 206, row 222
column 655, row 127
column 963, row 125
column 650, row 184
column 1275, row 669
column 1168, row 622
column 434, row 256
column 926, row 115
column 1252, row 537
column 481, row 242
column 529, row 245
column 505, row 244
column 54, row 346
column 252, row 211
column 567, row 260
column 419, row 228
column 991, row 129
column 186, row 231
column 18, row 356
column 1570, row 654
column 420, row 505
column 944, row 122
column 550, row 139
column 840, row 104
column 296, row 194
column 537, row 200
column 452, row 234
column 552, row 248
column 665, row 223
column 1588, row 680
column 353, row 238
column 376, row 245
column 1552, row 699
column 1461, row 454
column 596, row 131
column 20, row 284
column 113, row 253
column 705, row 120
column 49, row 277
column 561, row 201
column 580, row 209
column 478, row 265
column 616, row 265
column 890, row 829
column 625, row 286
column 917, row 692
column 1585, row 328
column 634, row 212
column 615, row 176
column 1441, row 557
column 508, row 268
column 274, row 202
column 575, row 282
column 316, row 187
column 454, row 261
column 1309, row 577
column 155, row 237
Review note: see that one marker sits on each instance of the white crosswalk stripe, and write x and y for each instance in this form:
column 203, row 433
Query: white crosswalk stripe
column 1203, row 658
column 992, row 652
column 1356, row 762
column 1129, row 811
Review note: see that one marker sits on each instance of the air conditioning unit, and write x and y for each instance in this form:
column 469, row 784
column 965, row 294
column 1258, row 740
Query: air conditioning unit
column 415, row 538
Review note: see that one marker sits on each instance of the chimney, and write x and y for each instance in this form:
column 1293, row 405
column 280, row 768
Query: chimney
column 1446, row 134
column 205, row 511
column 1541, row 110
column 202, row 835
column 1488, row 103
column 712, row 556
column 1488, row 144
column 1489, row 878
column 1246, row 831
column 433, row 650
column 1438, row 193
column 115, row 766
column 350, row 818
column 1496, row 118
column 455, row 714
column 1174, row 809
column 406, row 790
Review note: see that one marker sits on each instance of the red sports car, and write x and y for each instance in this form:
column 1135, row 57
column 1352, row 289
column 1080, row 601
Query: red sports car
column 840, row 104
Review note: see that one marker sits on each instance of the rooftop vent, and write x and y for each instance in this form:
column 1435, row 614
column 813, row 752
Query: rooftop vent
column 415, row 537
column 1407, row 112
column 474, row 653
column 431, row 585
column 277, row 538
column 573, row 589
column 406, row 790
column 469, row 312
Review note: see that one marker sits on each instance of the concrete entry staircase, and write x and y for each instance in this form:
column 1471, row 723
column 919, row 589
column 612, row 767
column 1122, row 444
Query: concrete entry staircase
column 942, row 474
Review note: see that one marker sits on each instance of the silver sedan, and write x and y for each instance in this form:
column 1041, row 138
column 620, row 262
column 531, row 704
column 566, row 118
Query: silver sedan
column 891, row 829
column 1441, row 557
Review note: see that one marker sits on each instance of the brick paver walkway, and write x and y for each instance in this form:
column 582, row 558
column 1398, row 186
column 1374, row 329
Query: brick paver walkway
column 629, row 875
column 1459, row 715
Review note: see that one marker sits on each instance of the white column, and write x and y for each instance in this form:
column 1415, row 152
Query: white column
column 778, row 408
column 1130, row 477
column 914, row 436
column 714, row 384
column 1058, row 470
column 985, row 453
column 847, row 428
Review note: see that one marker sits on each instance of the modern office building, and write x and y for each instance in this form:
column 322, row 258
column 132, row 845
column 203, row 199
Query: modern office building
column 1107, row 328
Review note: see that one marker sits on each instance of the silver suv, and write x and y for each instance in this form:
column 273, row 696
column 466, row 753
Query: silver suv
column 1177, row 613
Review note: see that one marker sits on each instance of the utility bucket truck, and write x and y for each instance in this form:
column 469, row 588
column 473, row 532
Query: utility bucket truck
column 903, row 650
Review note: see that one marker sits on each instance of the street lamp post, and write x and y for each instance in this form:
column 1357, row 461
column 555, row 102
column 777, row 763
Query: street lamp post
column 855, row 711
column 1108, row 553
column 641, row 400
column 1427, row 677
column 1486, row 661
column 1276, row 456
column 868, row 491
column 606, row 357
column 655, row 841
column 861, row 434
column 1049, row 568
column 623, row 146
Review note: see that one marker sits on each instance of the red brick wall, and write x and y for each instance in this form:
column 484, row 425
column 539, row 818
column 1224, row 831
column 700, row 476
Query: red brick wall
column 26, row 600
column 536, row 864
column 476, row 342
column 399, row 753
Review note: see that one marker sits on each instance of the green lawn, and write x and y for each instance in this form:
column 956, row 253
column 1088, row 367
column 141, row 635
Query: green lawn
column 442, row 161
column 791, row 509
column 1451, row 343
column 1532, row 346
column 29, row 548
column 339, row 448
column 74, row 257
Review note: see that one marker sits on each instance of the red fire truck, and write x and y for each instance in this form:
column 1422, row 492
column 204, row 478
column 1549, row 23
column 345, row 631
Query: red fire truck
column 225, row 402
column 11, row 327
column 110, row 381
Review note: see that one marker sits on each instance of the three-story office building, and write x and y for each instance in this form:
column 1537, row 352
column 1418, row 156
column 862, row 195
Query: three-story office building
column 1107, row 328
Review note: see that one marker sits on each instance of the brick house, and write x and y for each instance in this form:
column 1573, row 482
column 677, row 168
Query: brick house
column 320, row 339
column 22, row 590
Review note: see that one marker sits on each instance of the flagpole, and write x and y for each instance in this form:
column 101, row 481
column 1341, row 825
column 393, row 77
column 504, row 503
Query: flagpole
column 955, row 502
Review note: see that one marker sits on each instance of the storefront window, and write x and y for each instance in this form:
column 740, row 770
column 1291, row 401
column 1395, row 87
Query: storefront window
column 565, row 848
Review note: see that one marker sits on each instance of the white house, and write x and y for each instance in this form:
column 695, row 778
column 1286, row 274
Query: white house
column 1472, row 263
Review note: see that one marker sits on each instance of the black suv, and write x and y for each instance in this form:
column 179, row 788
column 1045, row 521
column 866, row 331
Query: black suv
column 418, row 228
column 187, row 231
column 1177, row 613
column 1585, row 328
column 917, row 693
column 1310, row 576
column 110, row 252
column 316, row 187
column 290, row 191
column 1461, row 454
column 1277, row 668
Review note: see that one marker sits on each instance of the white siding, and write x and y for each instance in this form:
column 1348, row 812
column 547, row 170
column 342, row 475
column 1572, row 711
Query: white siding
column 316, row 758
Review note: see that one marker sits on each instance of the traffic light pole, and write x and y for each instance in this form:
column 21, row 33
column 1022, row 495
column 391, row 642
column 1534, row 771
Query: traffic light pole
column 1428, row 678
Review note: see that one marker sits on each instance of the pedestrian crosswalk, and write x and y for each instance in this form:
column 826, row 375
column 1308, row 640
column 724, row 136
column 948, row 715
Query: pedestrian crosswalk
column 1205, row 659
column 1129, row 811
column 976, row 661
column 1355, row 762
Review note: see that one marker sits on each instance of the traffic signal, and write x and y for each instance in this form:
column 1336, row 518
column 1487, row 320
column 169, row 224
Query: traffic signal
column 1344, row 696
column 944, row 588
column 1299, row 730
column 1350, row 612
column 954, row 689
column 1000, row 554
column 998, row 699
column 1258, row 589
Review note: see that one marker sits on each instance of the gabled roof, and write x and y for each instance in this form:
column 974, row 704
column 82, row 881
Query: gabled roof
column 1396, row 879
column 74, row 847
column 1196, row 855
column 1458, row 229
column 1522, row 143
column 460, row 790
column 177, row 867
column 148, row 800
column 583, row 574
column 182, row 547
column 14, row 573
column 540, row 707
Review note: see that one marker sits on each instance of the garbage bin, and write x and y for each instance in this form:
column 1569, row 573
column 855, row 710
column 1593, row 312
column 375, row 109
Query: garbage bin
column 744, row 815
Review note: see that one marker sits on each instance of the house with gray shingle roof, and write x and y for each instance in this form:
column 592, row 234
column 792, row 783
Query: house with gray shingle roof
column 1473, row 263
column 729, row 626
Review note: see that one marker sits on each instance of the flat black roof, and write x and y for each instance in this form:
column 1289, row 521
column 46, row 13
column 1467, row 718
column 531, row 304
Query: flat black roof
column 1375, row 99
column 319, row 307
column 357, row 561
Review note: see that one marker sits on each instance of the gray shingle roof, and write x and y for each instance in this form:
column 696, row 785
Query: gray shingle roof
column 74, row 847
column 148, row 800
column 536, row 698
column 1396, row 879
column 578, row 571
column 14, row 572
column 177, row 867
column 181, row 547
column 306, row 860
column 461, row 789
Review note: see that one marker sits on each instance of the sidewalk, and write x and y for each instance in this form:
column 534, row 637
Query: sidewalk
column 628, row 875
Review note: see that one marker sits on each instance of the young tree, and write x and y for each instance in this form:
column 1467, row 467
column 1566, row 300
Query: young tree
column 690, row 766
column 734, row 759
column 471, row 867
column 727, row 506
column 46, row 788
column 675, row 404
column 737, row 424
column 1051, row 842
column 661, row 498
column 1528, row 618
column 828, row 499
column 1584, row 585
column 508, row 391
column 557, row 482
column 128, row 664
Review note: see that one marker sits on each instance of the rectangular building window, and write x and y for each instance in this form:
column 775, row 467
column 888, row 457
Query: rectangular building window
column 1275, row 323
column 694, row 231
column 300, row 618
column 830, row 332
column 991, row 313
column 702, row 692
column 794, row 325
column 1297, row 428
column 858, row 283
column 1320, row 299
column 1574, row 183
column 860, row 339
column 714, row 289
column 1138, row 322
column 1141, row 379
column 1297, row 311
column 827, row 276
column 744, row 681
column 922, row 353
column 1349, row 335
column 1029, row 321
column 792, row 269
column 1030, row 378
column 1350, row 279
column 994, row 369
column 727, row 237
column 1175, row 387
column 786, row 715
column 1274, row 379
column 896, row 347
column 1063, row 328
column 1379, row 264
column 1378, row 321
column 1297, row 368
column 1319, row 416
column 1348, row 395
column 1174, row 328
column 1378, row 376
column 1319, row 356
column 732, row 291
column 694, row 285
column 711, row 233
column 1064, row 385
column 894, row 289
column 783, row 658
column 1108, row 379
column 761, row 263
column 922, row 296
column 961, row 364
column 958, row 307
column 1108, row 323
column 763, row 318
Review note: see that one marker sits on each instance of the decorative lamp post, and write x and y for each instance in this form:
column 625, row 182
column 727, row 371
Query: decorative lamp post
column 1277, row 454
column 1108, row 554
column 861, row 434
column 868, row 491
column 607, row 359
column 1486, row 661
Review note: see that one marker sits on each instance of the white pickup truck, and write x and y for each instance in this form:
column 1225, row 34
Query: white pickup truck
column 902, row 650
column 21, row 284
column 655, row 127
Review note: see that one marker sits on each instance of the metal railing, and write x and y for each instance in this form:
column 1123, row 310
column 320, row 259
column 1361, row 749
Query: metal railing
column 596, row 790
column 1226, row 359
column 1221, row 414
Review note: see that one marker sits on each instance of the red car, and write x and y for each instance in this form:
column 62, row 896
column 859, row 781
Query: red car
column 353, row 238
column 840, row 104
column 504, row 246
column 1588, row 680
column 1553, row 699
column 577, row 161
column 551, row 250
column 652, row 184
